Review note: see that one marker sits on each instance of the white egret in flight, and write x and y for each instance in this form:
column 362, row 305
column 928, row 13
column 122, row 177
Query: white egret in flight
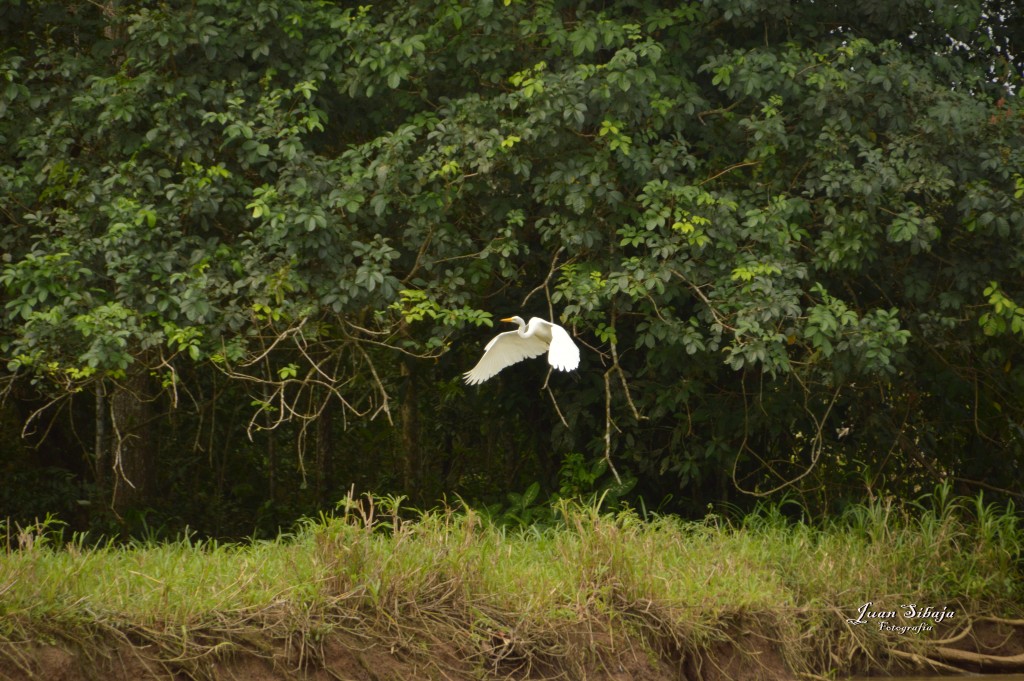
column 529, row 340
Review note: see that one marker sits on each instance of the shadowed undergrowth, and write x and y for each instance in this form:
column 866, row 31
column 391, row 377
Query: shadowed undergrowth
column 452, row 595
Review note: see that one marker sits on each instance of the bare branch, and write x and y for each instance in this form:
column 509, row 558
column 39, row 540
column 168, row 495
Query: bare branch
column 817, row 446
column 625, row 386
column 544, row 284
column 608, row 424
column 555, row 402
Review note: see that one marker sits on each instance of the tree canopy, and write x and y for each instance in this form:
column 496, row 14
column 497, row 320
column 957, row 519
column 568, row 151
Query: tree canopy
column 263, row 240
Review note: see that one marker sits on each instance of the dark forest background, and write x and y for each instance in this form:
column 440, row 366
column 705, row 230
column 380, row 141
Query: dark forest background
column 248, row 248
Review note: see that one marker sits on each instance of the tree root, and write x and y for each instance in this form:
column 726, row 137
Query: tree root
column 924, row 661
column 940, row 656
column 1000, row 662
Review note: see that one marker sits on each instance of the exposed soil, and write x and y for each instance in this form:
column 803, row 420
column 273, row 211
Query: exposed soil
column 52, row 663
column 987, row 645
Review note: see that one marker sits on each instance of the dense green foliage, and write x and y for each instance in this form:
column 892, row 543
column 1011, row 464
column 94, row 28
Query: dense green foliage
column 249, row 245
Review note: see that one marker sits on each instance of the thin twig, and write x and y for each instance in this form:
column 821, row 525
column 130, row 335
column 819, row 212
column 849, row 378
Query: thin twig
column 608, row 427
column 625, row 386
column 547, row 280
column 730, row 169
column 555, row 402
column 817, row 446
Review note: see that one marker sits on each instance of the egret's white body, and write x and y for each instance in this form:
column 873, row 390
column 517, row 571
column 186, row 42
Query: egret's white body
column 529, row 340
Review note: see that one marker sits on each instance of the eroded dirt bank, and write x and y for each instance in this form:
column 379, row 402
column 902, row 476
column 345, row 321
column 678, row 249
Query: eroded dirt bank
column 745, row 647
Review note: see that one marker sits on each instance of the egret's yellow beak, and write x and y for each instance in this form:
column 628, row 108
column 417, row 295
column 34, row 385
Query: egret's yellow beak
column 507, row 319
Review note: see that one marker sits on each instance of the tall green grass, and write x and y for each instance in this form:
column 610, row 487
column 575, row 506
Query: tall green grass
column 504, row 599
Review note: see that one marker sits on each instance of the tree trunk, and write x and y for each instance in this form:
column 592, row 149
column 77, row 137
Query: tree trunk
column 271, row 451
column 409, row 415
column 101, row 443
column 131, row 454
column 323, row 452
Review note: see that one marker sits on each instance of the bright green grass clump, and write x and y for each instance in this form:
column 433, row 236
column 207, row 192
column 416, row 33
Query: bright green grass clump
column 453, row 576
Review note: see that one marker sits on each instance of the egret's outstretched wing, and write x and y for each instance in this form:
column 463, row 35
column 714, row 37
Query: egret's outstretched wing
column 563, row 354
column 504, row 350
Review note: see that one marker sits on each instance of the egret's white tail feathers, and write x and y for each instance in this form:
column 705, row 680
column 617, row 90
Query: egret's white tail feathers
column 563, row 353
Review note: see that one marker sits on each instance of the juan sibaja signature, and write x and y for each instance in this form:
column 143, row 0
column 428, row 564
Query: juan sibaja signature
column 909, row 611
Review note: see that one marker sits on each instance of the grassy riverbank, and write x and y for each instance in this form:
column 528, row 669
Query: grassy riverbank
column 368, row 595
